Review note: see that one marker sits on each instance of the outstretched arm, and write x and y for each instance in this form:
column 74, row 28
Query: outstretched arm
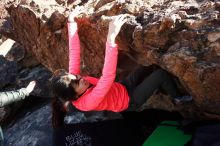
column 93, row 99
column 74, row 43
column 13, row 96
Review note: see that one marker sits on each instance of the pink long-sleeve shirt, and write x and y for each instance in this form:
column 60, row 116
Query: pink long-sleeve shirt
column 105, row 94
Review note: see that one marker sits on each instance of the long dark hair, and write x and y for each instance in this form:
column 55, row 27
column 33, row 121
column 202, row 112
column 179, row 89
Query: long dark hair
column 64, row 93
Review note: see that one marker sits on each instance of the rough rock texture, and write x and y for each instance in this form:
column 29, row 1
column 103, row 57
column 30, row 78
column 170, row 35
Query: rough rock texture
column 3, row 12
column 8, row 71
column 181, row 37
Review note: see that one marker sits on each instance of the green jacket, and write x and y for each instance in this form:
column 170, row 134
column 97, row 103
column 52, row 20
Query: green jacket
column 12, row 96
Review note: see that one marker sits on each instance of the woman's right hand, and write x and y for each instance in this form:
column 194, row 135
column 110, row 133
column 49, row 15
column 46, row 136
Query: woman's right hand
column 114, row 27
column 78, row 10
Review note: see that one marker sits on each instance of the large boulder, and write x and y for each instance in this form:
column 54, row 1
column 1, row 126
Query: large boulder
column 181, row 37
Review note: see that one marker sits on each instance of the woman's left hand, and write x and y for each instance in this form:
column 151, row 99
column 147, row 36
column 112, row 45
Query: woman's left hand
column 115, row 26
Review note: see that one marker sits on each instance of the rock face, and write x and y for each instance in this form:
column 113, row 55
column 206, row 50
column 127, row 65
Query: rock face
column 8, row 71
column 182, row 37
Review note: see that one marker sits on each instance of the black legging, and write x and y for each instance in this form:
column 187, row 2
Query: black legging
column 140, row 85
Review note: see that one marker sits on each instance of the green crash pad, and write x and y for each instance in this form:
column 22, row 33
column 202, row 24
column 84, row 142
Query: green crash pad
column 167, row 134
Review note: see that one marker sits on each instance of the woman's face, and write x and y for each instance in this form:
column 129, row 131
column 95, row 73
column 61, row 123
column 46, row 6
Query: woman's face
column 78, row 83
